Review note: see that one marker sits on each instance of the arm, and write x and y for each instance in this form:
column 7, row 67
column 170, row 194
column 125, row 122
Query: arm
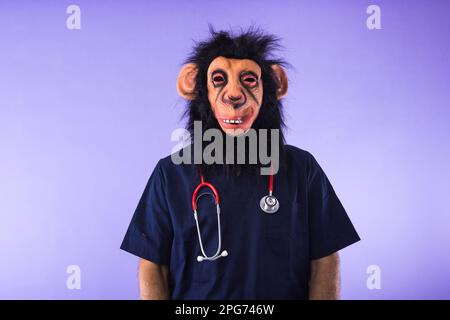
column 153, row 281
column 325, row 278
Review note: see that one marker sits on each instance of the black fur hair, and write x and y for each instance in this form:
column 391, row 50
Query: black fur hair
column 253, row 44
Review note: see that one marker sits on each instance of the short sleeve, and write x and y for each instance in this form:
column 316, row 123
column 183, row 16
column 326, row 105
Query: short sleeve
column 330, row 228
column 150, row 234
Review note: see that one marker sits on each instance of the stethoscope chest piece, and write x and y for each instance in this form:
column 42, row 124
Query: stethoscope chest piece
column 269, row 204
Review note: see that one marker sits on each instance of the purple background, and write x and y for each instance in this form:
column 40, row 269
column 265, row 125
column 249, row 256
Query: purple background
column 85, row 115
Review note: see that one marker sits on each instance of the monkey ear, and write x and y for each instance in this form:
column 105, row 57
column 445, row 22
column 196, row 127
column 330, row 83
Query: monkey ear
column 186, row 81
column 281, row 80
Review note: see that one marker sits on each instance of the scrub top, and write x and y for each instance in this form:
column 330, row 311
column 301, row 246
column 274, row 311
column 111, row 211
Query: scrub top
column 268, row 254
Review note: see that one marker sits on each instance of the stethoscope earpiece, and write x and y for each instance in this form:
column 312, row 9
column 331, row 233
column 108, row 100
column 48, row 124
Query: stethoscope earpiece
column 202, row 258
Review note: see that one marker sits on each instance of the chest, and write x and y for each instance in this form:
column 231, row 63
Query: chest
column 240, row 211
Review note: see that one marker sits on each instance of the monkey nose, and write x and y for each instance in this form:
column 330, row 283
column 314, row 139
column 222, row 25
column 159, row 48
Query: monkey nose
column 234, row 98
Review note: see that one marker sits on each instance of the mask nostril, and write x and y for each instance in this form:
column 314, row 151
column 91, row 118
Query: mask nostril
column 235, row 101
column 234, row 98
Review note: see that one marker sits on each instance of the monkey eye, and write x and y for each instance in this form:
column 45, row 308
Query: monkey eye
column 218, row 79
column 250, row 80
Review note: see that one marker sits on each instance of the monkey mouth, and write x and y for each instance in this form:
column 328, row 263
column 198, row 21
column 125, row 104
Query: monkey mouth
column 234, row 122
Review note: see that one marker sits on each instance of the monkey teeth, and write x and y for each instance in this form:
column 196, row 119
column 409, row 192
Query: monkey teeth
column 232, row 121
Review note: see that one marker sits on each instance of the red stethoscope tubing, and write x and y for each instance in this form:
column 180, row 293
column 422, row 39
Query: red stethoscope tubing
column 197, row 189
column 215, row 192
column 271, row 183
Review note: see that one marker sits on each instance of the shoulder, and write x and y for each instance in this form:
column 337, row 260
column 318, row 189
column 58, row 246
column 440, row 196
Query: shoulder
column 165, row 163
column 297, row 154
column 169, row 165
column 301, row 159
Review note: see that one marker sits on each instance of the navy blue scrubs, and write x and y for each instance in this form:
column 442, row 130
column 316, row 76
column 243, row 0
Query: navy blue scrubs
column 268, row 255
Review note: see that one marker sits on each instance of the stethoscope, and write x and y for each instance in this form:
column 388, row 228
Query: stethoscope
column 269, row 204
